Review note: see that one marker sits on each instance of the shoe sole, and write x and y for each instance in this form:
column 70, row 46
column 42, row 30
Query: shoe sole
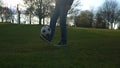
column 61, row 45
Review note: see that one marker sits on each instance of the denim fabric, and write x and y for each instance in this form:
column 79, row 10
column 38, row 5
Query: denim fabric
column 64, row 2
column 60, row 2
column 59, row 12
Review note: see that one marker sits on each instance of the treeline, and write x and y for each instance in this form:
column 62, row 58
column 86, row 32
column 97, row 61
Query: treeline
column 106, row 15
column 5, row 14
column 39, row 8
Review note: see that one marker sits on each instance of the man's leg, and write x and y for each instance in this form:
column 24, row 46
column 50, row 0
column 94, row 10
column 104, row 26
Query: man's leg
column 63, row 25
column 53, row 21
column 52, row 25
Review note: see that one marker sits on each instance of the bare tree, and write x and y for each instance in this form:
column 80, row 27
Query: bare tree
column 75, row 10
column 1, row 13
column 100, row 21
column 19, row 13
column 40, row 8
column 85, row 19
column 30, row 8
column 1, row 10
column 109, row 11
column 6, row 14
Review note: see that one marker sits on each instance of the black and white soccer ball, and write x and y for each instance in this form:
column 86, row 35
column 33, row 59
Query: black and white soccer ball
column 45, row 31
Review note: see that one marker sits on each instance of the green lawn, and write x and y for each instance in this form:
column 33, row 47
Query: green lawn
column 21, row 47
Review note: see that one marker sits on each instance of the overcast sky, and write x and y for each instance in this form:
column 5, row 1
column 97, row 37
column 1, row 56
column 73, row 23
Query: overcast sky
column 86, row 4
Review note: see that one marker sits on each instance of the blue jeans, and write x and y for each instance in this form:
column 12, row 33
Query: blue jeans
column 59, row 12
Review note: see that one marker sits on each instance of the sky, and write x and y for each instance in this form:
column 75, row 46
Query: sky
column 86, row 4
column 13, row 3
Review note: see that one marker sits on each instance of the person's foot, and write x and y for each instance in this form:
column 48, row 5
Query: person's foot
column 61, row 44
column 45, row 38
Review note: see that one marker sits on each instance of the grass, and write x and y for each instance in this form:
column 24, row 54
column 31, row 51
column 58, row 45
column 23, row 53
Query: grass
column 21, row 47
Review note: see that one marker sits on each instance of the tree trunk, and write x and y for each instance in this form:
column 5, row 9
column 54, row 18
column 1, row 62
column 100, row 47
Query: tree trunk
column 111, row 25
column 43, row 21
column 18, row 17
column 30, row 18
column 12, row 20
column 40, row 21
column 2, row 19
column 18, row 11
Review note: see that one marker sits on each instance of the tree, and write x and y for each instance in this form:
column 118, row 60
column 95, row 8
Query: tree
column 6, row 14
column 100, row 22
column 29, row 12
column 109, row 11
column 75, row 10
column 40, row 8
column 91, row 17
column 1, row 10
column 30, row 8
column 85, row 19
column 18, row 12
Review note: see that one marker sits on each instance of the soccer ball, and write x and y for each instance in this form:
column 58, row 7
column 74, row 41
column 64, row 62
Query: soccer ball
column 45, row 31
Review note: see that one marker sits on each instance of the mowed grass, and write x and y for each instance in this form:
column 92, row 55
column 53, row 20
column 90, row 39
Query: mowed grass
column 21, row 47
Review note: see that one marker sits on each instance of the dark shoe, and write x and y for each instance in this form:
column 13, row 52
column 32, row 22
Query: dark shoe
column 61, row 44
column 45, row 38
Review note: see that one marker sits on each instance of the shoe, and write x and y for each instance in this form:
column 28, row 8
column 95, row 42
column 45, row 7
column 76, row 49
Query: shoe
column 61, row 45
column 45, row 38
